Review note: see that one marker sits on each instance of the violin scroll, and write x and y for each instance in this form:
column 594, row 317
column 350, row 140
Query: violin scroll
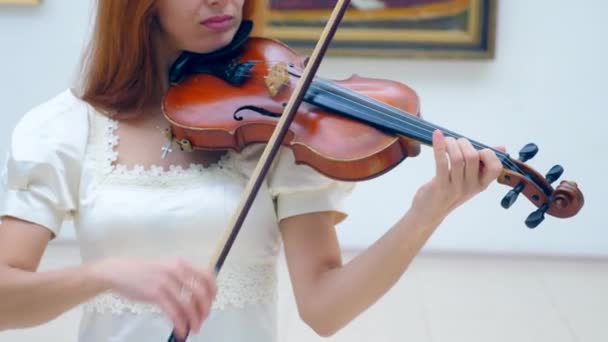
column 564, row 201
column 568, row 199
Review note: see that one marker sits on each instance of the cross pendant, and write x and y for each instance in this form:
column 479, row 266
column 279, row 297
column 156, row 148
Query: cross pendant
column 166, row 149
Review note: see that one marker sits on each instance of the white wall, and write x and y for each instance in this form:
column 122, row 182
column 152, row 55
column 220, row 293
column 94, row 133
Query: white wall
column 546, row 85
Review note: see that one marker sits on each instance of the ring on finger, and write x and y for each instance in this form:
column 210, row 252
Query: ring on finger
column 185, row 293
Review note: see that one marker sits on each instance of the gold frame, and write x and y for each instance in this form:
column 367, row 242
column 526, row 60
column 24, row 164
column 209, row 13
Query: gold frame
column 20, row 2
column 476, row 42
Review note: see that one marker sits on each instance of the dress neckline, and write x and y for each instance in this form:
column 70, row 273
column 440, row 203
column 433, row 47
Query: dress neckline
column 105, row 140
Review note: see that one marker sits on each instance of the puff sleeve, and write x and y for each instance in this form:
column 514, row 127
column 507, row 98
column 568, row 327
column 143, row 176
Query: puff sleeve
column 299, row 189
column 41, row 172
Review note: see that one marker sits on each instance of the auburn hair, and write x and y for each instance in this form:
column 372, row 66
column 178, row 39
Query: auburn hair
column 120, row 68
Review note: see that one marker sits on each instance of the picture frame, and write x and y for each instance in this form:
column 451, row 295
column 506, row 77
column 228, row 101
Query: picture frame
column 460, row 29
column 20, row 2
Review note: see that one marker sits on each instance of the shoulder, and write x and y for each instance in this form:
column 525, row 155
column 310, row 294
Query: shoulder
column 61, row 112
column 298, row 188
column 286, row 172
column 41, row 175
column 59, row 123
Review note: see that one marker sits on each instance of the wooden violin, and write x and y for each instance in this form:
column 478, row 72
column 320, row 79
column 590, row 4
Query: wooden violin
column 259, row 90
column 354, row 129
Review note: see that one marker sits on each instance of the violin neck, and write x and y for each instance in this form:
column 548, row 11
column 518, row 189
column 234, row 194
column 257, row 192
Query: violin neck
column 392, row 120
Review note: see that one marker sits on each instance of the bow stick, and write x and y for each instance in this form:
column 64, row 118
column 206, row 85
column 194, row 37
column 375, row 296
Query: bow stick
column 275, row 141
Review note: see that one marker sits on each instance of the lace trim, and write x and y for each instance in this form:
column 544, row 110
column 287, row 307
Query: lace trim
column 105, row 142
column 237, row 287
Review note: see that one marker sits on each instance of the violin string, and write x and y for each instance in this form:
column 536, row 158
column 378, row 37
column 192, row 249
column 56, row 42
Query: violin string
column 392, row 114
column 386, row 111
column 390, row 111
column 397, row 121
column 395, row 117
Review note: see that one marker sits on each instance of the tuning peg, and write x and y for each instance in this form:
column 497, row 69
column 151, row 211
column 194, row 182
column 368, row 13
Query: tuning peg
column 528, row 152
column 511, row 196
column 537, row 216
column 553, row 174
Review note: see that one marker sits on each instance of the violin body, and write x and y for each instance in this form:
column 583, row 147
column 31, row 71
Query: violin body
column 207, row 112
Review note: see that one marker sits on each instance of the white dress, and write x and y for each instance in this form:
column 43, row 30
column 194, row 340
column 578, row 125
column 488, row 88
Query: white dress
column 61, row 165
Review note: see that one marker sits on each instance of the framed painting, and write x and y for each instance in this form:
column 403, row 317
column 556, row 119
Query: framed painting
column 389, row 28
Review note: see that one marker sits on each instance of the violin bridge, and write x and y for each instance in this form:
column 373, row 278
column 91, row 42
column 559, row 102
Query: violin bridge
column 277, row 78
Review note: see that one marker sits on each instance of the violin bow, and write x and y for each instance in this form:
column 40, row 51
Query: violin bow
column 274, row 143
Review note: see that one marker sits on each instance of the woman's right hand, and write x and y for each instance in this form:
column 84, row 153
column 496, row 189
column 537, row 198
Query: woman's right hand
column 184, row 292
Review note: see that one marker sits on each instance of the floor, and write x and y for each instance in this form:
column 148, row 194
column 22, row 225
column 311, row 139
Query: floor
column 443, row 298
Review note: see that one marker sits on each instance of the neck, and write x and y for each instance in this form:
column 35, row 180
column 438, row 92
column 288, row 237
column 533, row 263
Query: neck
column 167, row 53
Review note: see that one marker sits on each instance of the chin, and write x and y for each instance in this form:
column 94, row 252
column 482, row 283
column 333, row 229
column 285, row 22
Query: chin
column 213, row 43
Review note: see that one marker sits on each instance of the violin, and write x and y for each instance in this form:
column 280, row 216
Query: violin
column 259, row 90
column 352, row 130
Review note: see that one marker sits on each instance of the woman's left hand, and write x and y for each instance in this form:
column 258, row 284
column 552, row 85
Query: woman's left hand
column 461, row 173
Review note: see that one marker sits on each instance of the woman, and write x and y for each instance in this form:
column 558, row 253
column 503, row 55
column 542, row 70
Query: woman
column 147, row 226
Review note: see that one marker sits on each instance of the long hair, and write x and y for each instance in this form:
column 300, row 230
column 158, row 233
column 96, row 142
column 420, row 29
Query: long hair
column 120, row 68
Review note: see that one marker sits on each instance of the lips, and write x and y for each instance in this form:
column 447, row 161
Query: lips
column 218, row 22
column 217, row 19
